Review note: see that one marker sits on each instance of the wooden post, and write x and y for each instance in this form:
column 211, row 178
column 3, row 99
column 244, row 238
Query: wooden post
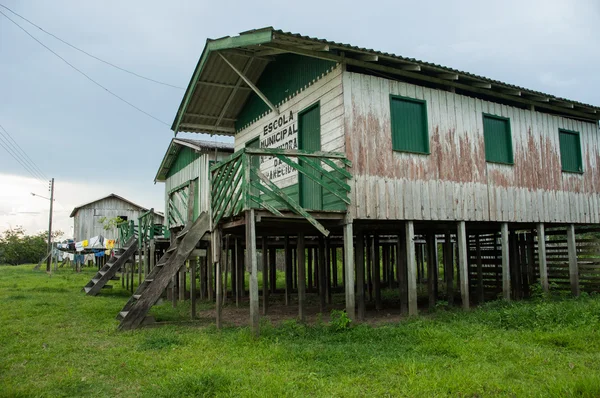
column 288, row 269
column 327, row 249
column 573, row 266
column 301, row 264
column 215, row 242
column 480, row 291
column 505, row 261
column 401, row 271
column 182, row 271
column 360, row 274
column 265, row 275
column 369, row 266
column 543, row 265
column 377, row 272
column 411, row 261
column 152, row 255
column 310, row 267
column 334, row 266
column 273, row 269
column 322, row 274
column 431, row 264
column 209, row 273
column 251, row 259
column 193, row 265
column 203, row 266
column 349, row 265
column 463, row 264
column 239, row 258
column 449, row 268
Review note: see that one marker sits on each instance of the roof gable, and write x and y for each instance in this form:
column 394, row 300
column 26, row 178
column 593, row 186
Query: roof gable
column 112, row 195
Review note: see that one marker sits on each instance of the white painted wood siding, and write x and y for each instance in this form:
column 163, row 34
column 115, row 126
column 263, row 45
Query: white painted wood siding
column 197, row 169
column 455, row 182
column 86, row 223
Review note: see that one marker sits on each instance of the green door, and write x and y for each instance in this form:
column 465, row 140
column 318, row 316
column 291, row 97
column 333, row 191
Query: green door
column 309, row 139
column 255, row 161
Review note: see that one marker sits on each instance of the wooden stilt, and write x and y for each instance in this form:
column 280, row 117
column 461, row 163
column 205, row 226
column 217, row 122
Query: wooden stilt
column 480, row 291
column 334, row 266
column 449, row 268
column 377, row 272
column 431, row 248
column 505, row 261
column 360, row 274
column 182, row 282
column 573, row 266
column 193, row 265
column 402, row 271
column 288, row 270
column 152, row 250
column 349, row 266
column 321, row 274
column 463, row 264
column 265, row 275
column 273, row 270
column 543, row 265
column 301, row 265
column 310, row 267
column 369, row 265
column 203, row 288
column 252, row 261
column 327, row 249
column 295, row 268
column 235, row 270
column 411, row 262
column 216, row 241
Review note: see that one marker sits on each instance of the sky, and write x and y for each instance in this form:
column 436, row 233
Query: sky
column 93, row 144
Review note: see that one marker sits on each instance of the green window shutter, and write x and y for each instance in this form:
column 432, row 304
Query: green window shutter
column 570, row 151
column 498, row 141
column 409, row 125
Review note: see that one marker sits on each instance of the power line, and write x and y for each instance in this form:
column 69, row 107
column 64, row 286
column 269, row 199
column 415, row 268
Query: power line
column 17, row 158
column 24, row 155
column 84, row 74
column 91, row 55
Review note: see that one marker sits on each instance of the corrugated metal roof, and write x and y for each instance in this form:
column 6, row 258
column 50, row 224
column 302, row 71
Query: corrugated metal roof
column 112, row 195
column 197, row 145
column 216, row 94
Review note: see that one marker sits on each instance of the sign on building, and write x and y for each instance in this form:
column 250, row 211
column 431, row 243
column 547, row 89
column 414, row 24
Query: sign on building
column 281, row 132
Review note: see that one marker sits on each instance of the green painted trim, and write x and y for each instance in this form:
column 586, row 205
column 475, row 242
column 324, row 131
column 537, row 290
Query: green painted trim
column 178, row 187
column 248, row 39
column 510, row 141
column 419, row 101
column 579, row 148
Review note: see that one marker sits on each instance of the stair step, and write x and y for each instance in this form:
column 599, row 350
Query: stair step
column 148, row 280
column 87, row 289
column 137, row 296
column 171, row 249
column 95, row 280
column 123, row 314
column 102, row 272
column 182, row 234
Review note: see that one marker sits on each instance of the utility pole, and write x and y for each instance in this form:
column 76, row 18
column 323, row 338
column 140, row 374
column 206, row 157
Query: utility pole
column 49, row 259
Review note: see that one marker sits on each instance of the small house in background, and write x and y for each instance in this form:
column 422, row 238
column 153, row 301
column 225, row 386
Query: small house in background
column 88, row 217
column 183, row 168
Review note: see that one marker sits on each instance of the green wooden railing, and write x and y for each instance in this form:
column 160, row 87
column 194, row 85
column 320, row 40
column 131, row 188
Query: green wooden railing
column 126, row 231
column 148, row 230
column 238, row 184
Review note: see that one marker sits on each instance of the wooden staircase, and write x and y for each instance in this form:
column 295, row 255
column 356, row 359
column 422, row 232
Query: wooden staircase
column 148, row 293
column 110, row 269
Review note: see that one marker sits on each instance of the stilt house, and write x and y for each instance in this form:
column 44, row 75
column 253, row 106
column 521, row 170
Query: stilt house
column 377, row 160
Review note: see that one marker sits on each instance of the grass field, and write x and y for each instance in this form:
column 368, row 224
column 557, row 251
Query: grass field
column 54, row 341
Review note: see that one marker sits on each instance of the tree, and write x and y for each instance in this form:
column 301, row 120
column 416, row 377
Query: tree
column 16, row 247
column 110, row 224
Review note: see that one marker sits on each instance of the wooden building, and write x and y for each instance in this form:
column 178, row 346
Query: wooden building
column 184, row 167
column 87, row 217
column 346, row 153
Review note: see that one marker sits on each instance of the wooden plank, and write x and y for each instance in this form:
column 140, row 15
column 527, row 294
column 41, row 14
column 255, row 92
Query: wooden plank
column 301, row 260
column 251, row 259
column 573, row 266
column 349, row 267
column 360, row 274
column 411, row 261
column 463, row 264
column 506, row 288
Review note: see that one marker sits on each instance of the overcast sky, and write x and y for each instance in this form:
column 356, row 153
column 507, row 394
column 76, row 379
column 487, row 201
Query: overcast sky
column 93, row 144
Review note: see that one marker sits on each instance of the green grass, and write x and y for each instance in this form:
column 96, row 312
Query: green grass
column 55, row 341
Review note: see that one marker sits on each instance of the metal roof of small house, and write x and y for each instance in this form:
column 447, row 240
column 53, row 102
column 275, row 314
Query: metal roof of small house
column 216, row 94
column 197, row 145
column 112, row 195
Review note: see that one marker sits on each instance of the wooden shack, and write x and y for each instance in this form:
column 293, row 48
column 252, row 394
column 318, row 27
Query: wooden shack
column 380, row 162
column 87, row 217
